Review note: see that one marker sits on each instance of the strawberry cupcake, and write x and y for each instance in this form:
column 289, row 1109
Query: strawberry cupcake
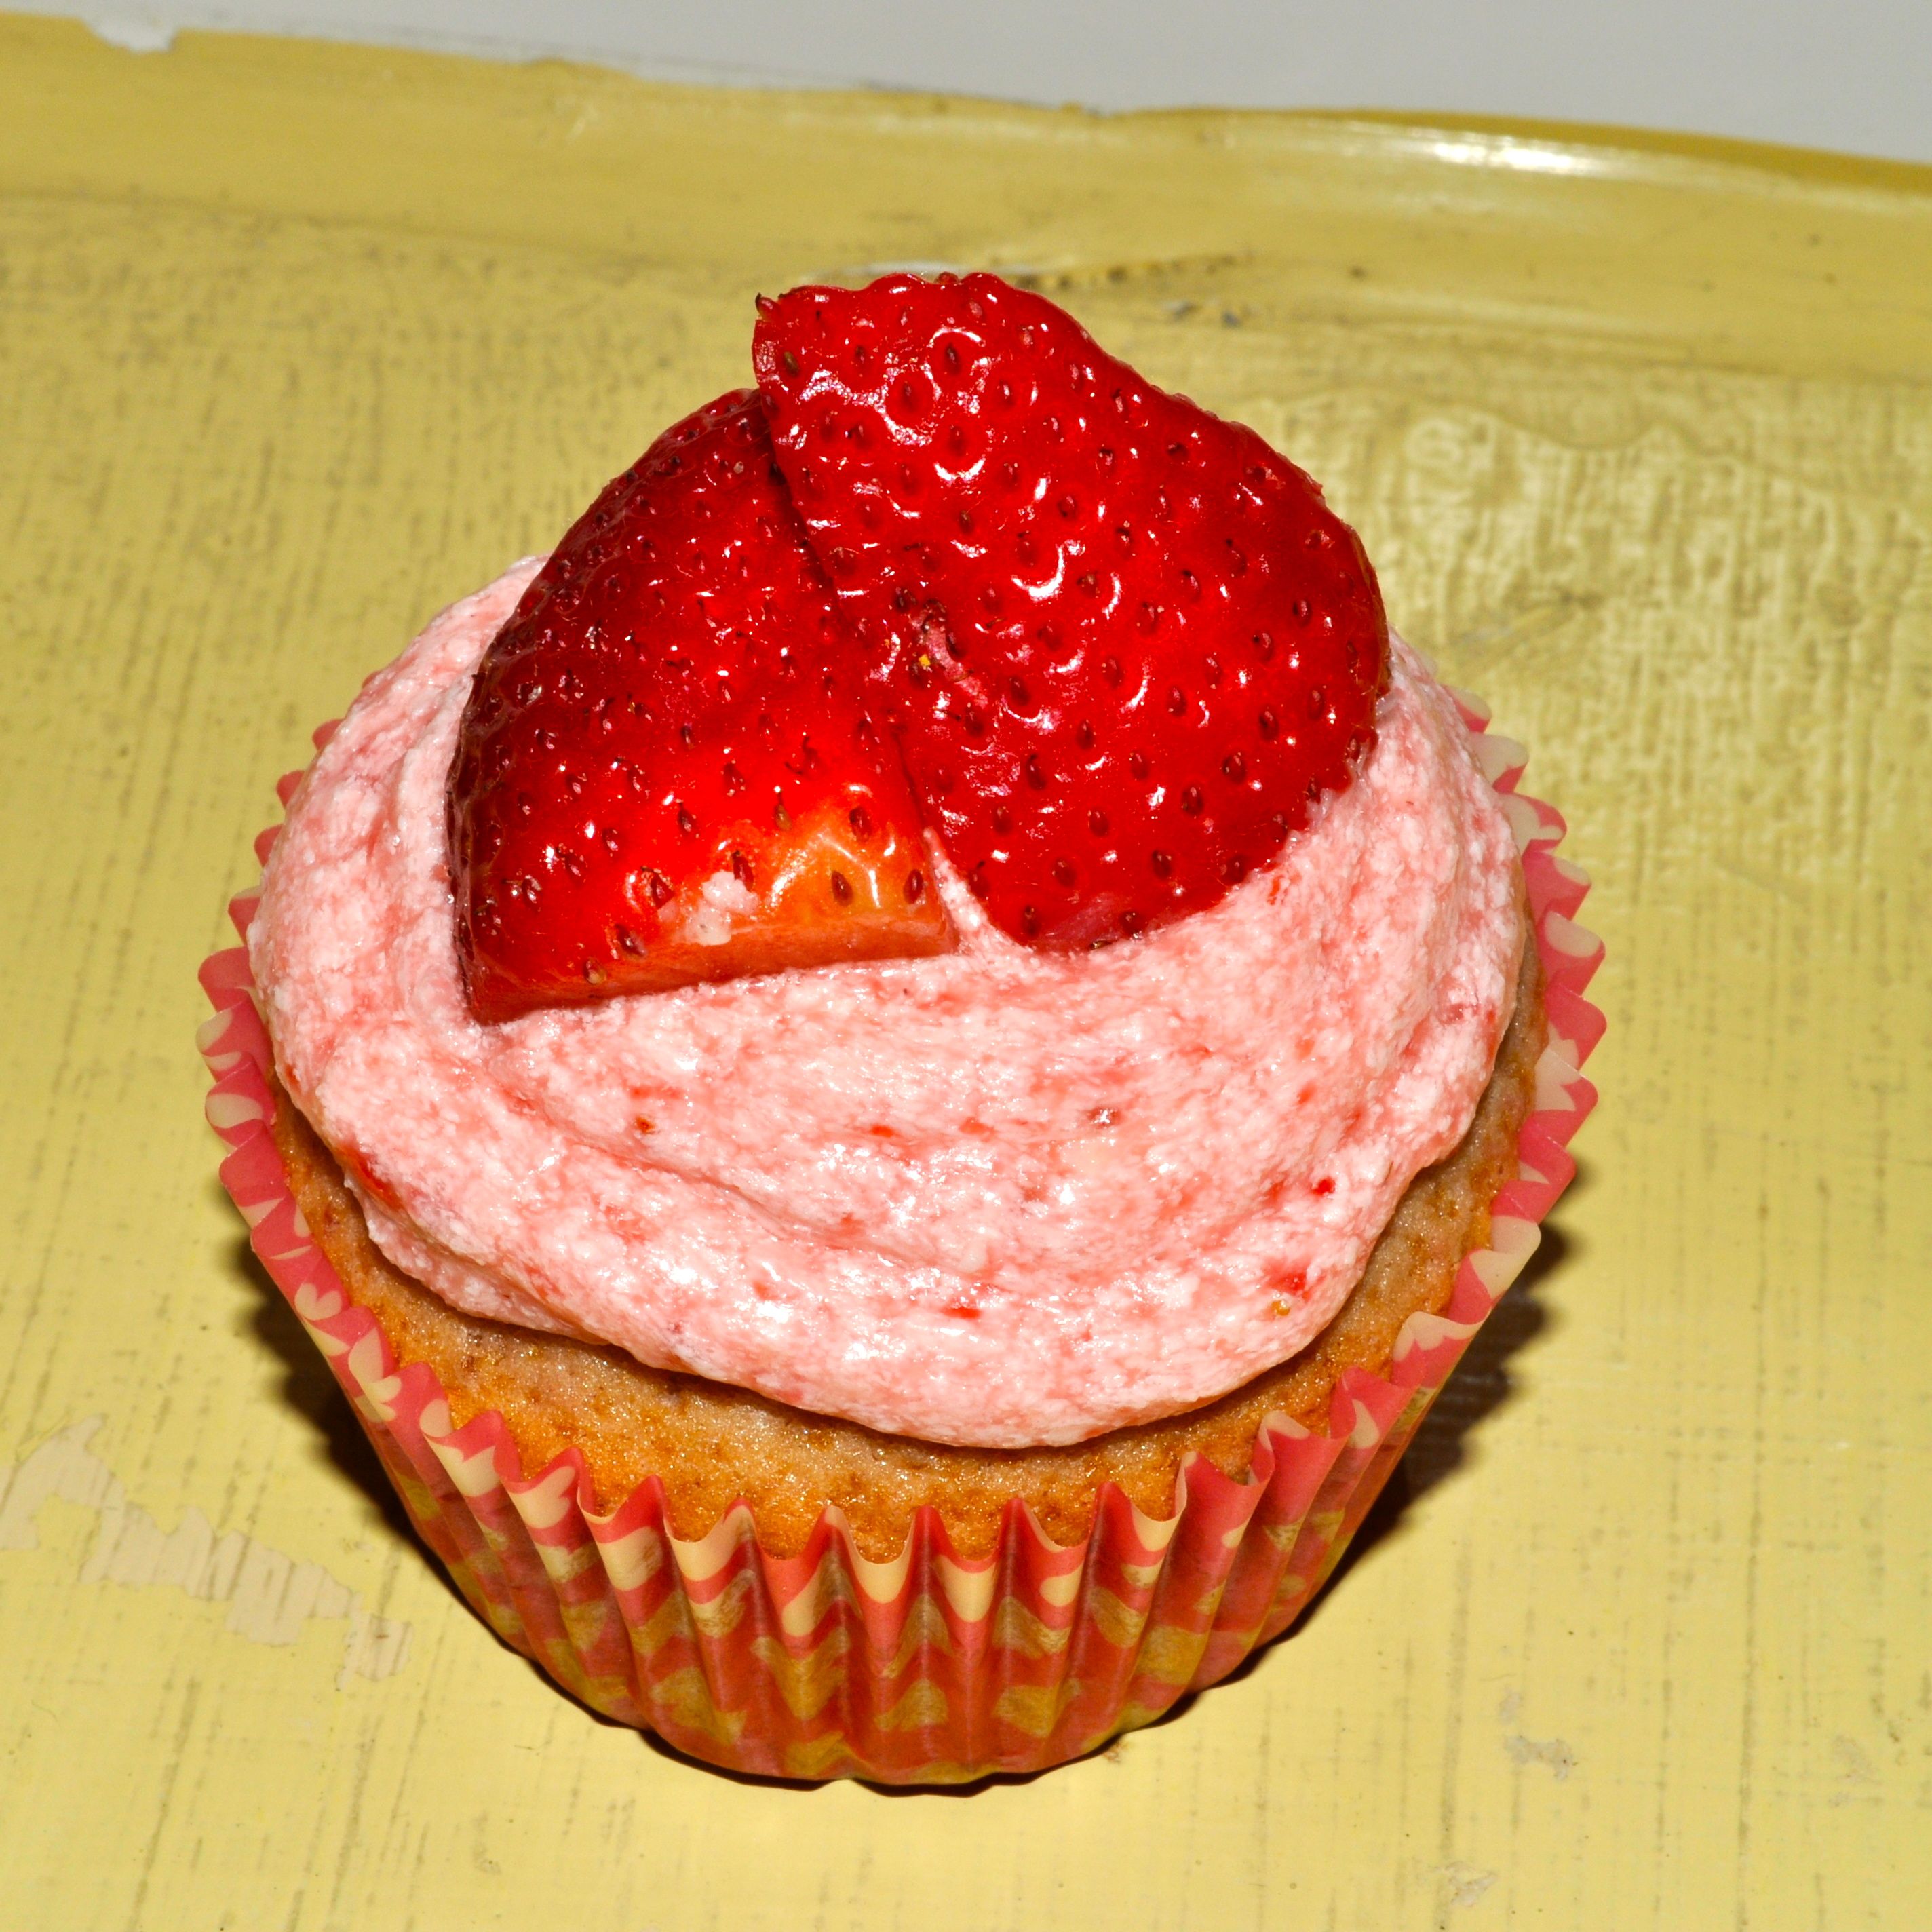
column 892, row 1079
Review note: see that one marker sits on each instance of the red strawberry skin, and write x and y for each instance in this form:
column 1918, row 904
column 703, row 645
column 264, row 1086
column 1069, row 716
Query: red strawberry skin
column 1126, row 646
column 665, row 772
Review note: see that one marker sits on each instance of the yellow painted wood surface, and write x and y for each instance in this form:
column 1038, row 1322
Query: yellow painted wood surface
column 297, row 342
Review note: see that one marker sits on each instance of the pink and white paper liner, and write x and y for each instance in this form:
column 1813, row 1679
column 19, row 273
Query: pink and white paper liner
column 932, row 1668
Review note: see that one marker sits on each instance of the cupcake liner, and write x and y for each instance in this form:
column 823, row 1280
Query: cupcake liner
column 932, row 1668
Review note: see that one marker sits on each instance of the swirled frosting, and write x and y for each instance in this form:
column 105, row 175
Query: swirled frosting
column 996, row 1197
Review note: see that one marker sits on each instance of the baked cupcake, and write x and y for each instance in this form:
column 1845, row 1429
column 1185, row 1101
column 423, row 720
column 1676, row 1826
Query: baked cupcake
column 893, row 1078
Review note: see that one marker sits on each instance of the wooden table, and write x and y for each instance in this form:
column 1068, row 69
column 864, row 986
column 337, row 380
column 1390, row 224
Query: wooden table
column 301, row 342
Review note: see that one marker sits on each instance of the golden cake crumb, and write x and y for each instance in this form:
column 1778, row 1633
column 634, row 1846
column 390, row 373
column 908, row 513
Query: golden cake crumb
column 713, row 1445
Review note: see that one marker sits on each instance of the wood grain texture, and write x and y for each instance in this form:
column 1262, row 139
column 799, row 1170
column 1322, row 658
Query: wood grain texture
column 298, row 344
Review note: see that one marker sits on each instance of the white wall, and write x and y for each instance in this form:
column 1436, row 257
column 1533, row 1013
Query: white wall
column 1855, row 75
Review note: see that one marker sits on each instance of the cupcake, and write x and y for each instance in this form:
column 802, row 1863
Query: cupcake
column 892, row 1079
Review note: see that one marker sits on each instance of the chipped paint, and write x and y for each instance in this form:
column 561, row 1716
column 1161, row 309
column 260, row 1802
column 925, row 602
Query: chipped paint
column 302, row 341
column 270, row 1596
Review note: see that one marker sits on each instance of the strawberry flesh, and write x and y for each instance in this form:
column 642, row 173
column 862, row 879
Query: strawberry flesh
column 1126, row 647
column 666, row 772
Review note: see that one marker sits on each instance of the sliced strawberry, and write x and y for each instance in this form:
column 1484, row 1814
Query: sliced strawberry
column 1126, row 646
column 665, row 773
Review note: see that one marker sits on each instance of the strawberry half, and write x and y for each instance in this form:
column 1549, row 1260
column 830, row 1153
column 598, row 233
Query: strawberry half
column 1126, row 646
column 665, row 773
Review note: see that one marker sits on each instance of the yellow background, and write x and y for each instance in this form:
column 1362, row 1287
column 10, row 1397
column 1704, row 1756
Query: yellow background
column 299, row 343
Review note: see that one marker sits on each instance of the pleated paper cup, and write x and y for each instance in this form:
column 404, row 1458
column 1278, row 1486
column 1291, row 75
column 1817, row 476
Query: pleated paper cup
column 932, row 1668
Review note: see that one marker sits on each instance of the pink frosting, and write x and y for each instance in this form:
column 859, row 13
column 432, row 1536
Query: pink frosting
column 995, row 1197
